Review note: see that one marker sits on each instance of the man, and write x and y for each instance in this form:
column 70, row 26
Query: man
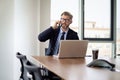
column 54, row 33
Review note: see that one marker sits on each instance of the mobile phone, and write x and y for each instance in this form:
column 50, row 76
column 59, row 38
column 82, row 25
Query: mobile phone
column 60, row 25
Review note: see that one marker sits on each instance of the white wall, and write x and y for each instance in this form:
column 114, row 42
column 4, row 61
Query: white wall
column 6, row 39
column 44, row 21
column 20, row 23
column 31, row 17
column 19, row 29
column 27, row 23
column 26, row 26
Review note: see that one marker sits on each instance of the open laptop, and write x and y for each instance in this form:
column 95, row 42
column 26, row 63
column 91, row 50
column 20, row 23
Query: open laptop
column 72, row 48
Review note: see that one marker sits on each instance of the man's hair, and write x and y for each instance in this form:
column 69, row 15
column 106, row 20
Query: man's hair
column 67, row 14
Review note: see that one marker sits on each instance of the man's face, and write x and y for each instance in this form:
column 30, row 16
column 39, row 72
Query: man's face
column 65, row 21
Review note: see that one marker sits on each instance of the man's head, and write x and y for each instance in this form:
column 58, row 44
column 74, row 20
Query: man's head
column 67, row 14
column 66, row 19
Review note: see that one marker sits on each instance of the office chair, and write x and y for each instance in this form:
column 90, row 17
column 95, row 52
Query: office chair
column 22, row 59
column 35, row 71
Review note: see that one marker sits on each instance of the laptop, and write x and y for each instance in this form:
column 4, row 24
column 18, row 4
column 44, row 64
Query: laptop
column 72, row 48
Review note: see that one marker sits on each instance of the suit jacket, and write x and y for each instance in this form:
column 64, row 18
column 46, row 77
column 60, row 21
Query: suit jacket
column 52, row 34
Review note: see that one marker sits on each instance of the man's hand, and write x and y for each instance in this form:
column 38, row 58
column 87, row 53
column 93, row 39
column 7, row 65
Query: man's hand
column 56, row 24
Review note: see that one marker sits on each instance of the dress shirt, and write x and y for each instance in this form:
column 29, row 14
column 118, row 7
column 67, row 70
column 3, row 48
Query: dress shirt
column 57, row 44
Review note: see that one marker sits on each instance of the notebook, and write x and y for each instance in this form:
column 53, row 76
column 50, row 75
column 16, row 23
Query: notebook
column 72, row 48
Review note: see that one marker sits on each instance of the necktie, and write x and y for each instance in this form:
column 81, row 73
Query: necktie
column 57, row 44
column 62, row 37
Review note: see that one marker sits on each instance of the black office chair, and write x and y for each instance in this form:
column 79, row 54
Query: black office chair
column 35, row 71
column 22, row 59
column 24, row 76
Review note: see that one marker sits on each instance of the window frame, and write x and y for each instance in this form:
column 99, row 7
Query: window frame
column 111, row 24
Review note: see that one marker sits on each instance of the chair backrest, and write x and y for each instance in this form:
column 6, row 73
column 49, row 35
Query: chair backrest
column 22, row 59
column 34, row 70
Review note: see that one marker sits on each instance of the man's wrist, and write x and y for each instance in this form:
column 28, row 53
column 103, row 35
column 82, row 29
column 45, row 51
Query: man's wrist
column 54, row 27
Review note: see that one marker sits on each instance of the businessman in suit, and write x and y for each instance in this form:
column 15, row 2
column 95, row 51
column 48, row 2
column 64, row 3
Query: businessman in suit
column 54, row 33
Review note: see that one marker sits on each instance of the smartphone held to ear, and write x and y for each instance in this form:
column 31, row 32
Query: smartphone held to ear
column 60, row 25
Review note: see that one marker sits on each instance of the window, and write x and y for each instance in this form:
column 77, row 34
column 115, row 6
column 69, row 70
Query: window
column 94, row 22
column 105, row 49
column 118, row 29
column 97, row 22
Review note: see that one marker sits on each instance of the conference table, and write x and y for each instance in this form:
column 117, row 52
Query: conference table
column 77, row 69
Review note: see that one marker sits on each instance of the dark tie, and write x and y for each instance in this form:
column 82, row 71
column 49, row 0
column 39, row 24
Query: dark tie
column 62, row 37
column 57, row 44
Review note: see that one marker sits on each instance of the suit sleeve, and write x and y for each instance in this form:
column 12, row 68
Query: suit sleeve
column 45, row 35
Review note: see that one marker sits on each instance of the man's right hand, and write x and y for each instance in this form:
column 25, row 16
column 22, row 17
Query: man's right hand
column 56, row 24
